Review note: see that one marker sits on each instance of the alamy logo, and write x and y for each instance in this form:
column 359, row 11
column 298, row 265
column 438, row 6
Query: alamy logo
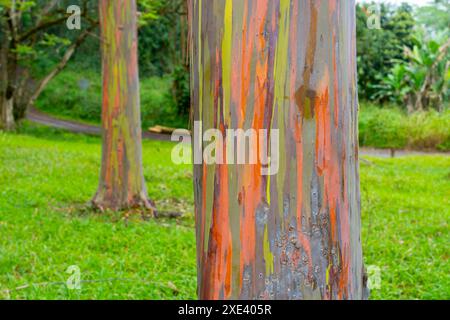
column 374, row 277
column 74, row 281
column 233, row 146
column 74, row 20
column 373, row 13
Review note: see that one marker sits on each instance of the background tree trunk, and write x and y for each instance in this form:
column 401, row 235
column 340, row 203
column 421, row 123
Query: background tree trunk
column 6, row 94
column 7, row 122
column 287, row 65
column 122, row 184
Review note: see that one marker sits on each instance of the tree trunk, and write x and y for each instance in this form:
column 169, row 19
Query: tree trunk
column 7, row 122
column 287, row 65
column 122, row 184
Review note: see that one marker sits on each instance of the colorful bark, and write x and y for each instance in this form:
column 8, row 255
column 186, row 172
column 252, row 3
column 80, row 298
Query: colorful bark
column 122, row 182
column 287, row 65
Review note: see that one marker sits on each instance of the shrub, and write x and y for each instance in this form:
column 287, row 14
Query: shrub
column 429, row 130
column 73, row 95
column 77, row 95
column 393, row 129
column 422, row 80
column 382, row 128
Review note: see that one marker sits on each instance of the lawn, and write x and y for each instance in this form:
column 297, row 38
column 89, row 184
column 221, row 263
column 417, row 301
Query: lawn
column 47, row 177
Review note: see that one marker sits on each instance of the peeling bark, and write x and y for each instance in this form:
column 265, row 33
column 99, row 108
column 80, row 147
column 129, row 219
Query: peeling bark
column 287, row 65
column 122, row 184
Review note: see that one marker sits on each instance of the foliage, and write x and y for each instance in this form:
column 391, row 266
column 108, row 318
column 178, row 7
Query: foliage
column 405, row 214
column 77, row 95
column 393, row 87
column 37, row 44
column 162, row 48
column 181, row 90
column 382, row 128
column 163, row 44
column 378, row 48
column 160, row 45
column 435, row 16
column 34, row 49
column 422, row 80
column 38, row 29
column 429, row 130
column 391, row 128
column 74, row 95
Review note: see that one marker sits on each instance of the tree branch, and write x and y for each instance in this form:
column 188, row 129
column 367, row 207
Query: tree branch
column 60, row 66
column 41, row 26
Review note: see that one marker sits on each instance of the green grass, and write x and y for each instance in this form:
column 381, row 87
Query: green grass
column 46, row 176
column 405, row 216
column 46, row 180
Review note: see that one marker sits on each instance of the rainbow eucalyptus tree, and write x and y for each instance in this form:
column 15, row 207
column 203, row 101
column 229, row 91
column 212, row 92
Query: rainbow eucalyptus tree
column 122, row 184
column 284, row 67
